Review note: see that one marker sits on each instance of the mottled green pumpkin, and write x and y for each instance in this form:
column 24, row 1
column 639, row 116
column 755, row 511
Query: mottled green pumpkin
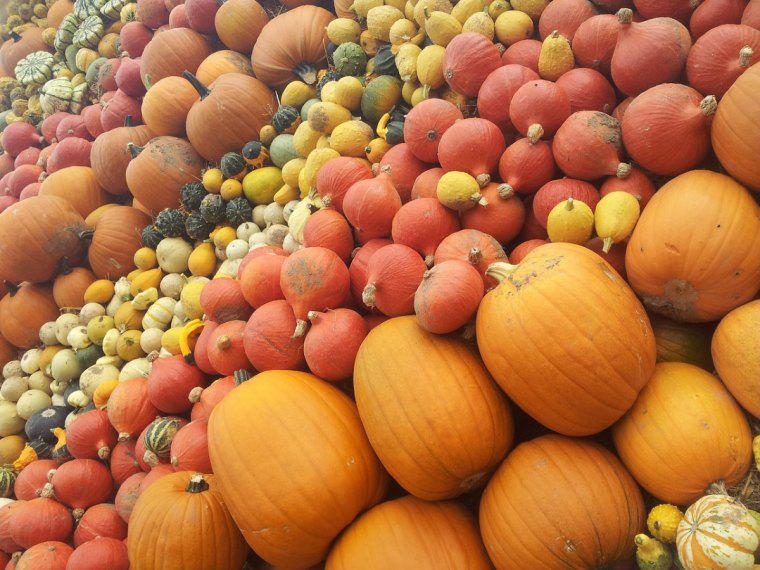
column 212, row 208
column 379, row 97
column 385, row 62
column 349, row 59
column 233, row 165
column 196, row 227
column 191, row 195
column 238, row 211
column 151, row 237
column 171, row 222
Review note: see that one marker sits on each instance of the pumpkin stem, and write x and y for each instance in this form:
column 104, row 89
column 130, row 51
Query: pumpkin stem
column 197, row 484
column 625, row 16
column 500, row 270
column 202, row 90
column 475, row 255
column 86, row 234
column 505, row 191
column 623, row 170
column 47, row 491
column 483, row 179
column 123, row 436
column 11, row 287
column 195, row 395
column 134, row 150
column 104, row 452
column 368, row 295
column 607, row 244
column 708, row 105
column 15, row 36
column 311, row 315
column 745, row 55
column 223, row 342
column 716, row 488
column 479, row 199
column 301, row 326
column 429, row 259
column 150, row 458
column 128, row 121
column 536, row 131
column 241, row 376
column 306, row 72
column 77, row 514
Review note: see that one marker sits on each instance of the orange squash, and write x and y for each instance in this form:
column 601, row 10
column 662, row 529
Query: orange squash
column 695, row 252
column 566, row 339
column 736, row 354
column 165, row 106
column 736, row 145
column 307, row 470
column 223, row 61
column 436, row 536
column 171, row 52
column 432, row 412
column 115, row 240
column 25, row 309
column 181, row 522
column 684, row 433
column 77, row 184
column 238, row 24
column 558, row 502
column 70, row 285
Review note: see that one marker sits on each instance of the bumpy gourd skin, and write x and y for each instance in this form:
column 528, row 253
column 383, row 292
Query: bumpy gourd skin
column 651, row 554
column 662, row 522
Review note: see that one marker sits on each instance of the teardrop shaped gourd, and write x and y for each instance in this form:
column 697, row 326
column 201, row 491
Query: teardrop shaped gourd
column 556, row 56
column 615, row 216
column 436, row 448
column 577, row 352
column 571, row 221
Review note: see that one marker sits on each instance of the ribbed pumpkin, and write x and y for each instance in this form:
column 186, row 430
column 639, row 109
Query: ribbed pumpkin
column 574, row 367
column 44, row 229
column 280, row 56
column 51, row 555
column 24, row 310
column 696, row 284
column 181, row 522
column 129, row 408
column 239, row 22
column 70, row 285
column 436, row 536
column 110, row 157
column 331, row 461
column 160, row 169
column 412, row 427
column 707, row 437
column 558, row 502
column 77, row 184
column 165, row 106
column 116, row 238
column 223, row 61
column 208, row 125
column 171, row 53
column 736, row 146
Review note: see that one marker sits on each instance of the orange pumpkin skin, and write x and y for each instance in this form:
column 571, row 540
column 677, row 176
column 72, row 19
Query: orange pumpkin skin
column 165, row 106
column 69, row 287
column 116, row 238
column 223, row 61
column 24, row 310
column 440, row 425
column 176, row 526
column 737, row 146
column 110, row 157
column 291, row 496
column 695, row 252
column 736, row 354
column 436, row 536
column 238, row 24
column 684, row 432
column 566, row 339
column 573, row 502
column 44, row 229
column 171, row 52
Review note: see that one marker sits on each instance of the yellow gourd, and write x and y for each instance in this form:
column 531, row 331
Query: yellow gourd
column 212, row 179
column 441, row 27
column 615, row 216
column 512, row 26
column 305, row 139
column 459, row 191
column 369, row 43
column 376, row 149
column 314, row 162
column 127, row 318
column 287, row 193
column 190, row 297
column 145, row 280
column 463, row 9
column 325, row 116
column 348, row 93
column 362, row 7
column 260, row 185
column 202, row 260
column 480, row 23
column 380, row 19
column 103, row 393
column 351, row 138
column 99, row 291
column 570, row 221
column 170, row 340
column 145, row 258
column 98, row 327
column 128, row 346
column 556, row 57
column 430, row 6
column 231, row 189
column 291, row 169
column 296, row 93
column 662, row 522
column 327, row 94
column 408, row 89
column 430, row 67
column 531, row 7
column 341, row 31
column 651, row 554
column 406, row 61
column 222, row 236
column 402, row 31
column 497, row 8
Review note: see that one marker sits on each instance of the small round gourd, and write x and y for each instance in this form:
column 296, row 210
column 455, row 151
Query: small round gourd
column 63, row 324
column 13, row 387
column 31, row 401
column 349, row 59
column 65, row 367
column 172, row 254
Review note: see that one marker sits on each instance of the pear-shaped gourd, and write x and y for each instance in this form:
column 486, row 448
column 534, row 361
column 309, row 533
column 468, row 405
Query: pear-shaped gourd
column 556, row 57
column 615, row 216
column 651, row 554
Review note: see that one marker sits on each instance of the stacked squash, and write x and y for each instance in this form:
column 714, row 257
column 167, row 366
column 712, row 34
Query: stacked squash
column 442, row 263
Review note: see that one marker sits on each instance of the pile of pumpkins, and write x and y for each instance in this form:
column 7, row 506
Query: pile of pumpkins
column 379, row 284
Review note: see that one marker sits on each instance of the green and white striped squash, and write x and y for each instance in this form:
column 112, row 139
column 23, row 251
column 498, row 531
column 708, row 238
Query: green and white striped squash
column 158, row 439
column 7, row 479
column 85, row 8
column 79, row 98
column 55, row 95
column 66, row 31
column 37, row 67
column 89, row 33
column 112, row 9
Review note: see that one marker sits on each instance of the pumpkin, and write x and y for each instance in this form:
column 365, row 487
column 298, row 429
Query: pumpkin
column 24, row 310
column 189, row 448
column 78, row 185
column 225, row 351
column 470, row 57
column 496, row 92
column 91, row 436
column 425, row 124
column 370, row 205
column 717, row 530
column 127, row 495
column 332, row 342
column 683, row 342
column 279, row 56
column 176, row 501
column 681, row 399
column 239, row 23
column 19, row 45
column 165, row 106
column 393, row 274
column 669, row 276
column 410, row 445
column 100, row 520
column 559, row 190
column 389, row 535
column 328, row 228
column 101, row 553
column 734, row 147
column 50, row 554
column 567, row 478
column 39, row 520
column 158, row 170
column 114, row 241
column 80, row 484
column 123, row 461
column 260, row 278
column 32, row 478
column 247, row 98
column 110, row 157
column 584, row 362
column 172, row 52
column 43, row 228
column 474, row 146
column 205, row 399
column 448, row 296
column 538, row 109
column 331, row 460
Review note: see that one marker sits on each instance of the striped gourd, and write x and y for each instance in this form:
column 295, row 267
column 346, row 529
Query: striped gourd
column 84, row 8
column 717, row 531
column 89, row 33
column 159, row 314
column 112, row 8
column 158, row 439
column 65, row 34
column 7, row 479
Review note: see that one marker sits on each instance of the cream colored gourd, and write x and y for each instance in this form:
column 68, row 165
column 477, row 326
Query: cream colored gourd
column 40, row 381
column 95, row 375
column 10, row 422
column 150, row 339
column 12, row 368
column 121, row 289
column 172, row 254
column 145, row 299
column 64, row 366
column 30, row 361
column 47, row 334
column 570, row 221
column 109, row 342
column 78, row 338
column 78, row 399
column 135, row 368
column 717, row 531
column 98, row 327
column 31, row 401
column 615, row 216
column 159, row 314
column 89, row 311
column 459, row 191
column 13, row 387
column 63, row 324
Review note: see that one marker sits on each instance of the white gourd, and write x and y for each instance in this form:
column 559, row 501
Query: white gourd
column 64, row 367
column 30, row 360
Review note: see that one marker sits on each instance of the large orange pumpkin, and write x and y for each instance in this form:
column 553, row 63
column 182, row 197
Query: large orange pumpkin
column 115, row 240
column 558, row 503
column 280, row 56
column 181, row 522
column 35, row 234
column 735, row 138
column 25, row 309
column 433, row 414
column 566, row 339
column 736, row 354
column 695, row 252
column 77, row 184
column 238, row 24
column 165, row 106
column 435, row 536
column 684, row 433
column 293, row 464
column 171, row 52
